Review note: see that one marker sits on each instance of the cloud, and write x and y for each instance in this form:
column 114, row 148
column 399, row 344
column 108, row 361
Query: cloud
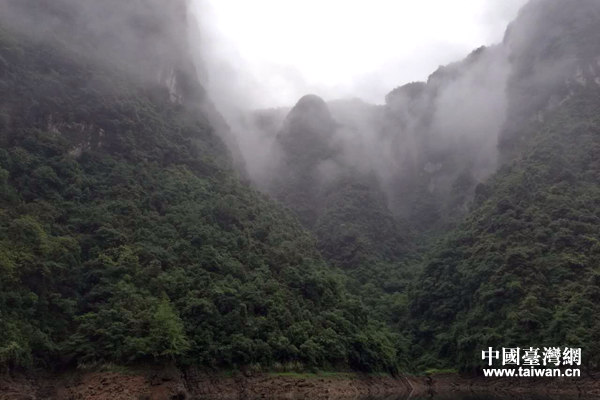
column 283, row 49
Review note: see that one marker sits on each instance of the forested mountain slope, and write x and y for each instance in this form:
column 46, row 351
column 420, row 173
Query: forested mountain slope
column 523, row 268
column 344, row 206
column 496, row 154
column 126, row 237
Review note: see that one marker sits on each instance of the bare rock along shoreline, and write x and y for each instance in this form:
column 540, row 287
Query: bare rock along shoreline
column 171, row 383
column 589, row 384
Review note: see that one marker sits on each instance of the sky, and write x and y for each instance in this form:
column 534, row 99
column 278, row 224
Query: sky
column 269, row 53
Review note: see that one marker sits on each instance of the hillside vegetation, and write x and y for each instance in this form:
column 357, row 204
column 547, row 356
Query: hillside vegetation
column 125, row 237
column 462, row 214
column 523, row 268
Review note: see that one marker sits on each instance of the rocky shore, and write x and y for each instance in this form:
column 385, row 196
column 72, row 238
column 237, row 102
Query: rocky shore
column 154, row 383
column 588, row 385
column 171, row 383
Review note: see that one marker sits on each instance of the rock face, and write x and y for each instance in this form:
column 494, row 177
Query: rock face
column 424, row 151
column 340, row 200
column 554, row 49
column 306, row 143
column 307, row 134
column 433, row 142
column 442, row 136
column 146, row 38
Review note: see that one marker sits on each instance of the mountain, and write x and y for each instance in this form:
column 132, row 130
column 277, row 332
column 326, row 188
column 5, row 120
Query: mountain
column 306, row 141
column 444, row 135
column 461, row 214
column 553, row 53
column 424, row 150
column 522, row 268
column 465, row 208
column 343, row 204
column 126, row 236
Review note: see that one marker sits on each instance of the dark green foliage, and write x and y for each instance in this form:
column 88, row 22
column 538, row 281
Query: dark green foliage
column 346, row 209
column 355, row 227
column 124, row 237
column 522, row 269
column 356, row 232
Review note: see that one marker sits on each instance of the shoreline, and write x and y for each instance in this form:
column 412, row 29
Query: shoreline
column 166, row 383
column 572, row 386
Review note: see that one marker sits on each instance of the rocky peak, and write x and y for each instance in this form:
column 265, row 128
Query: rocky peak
column 310, row 116
column 308, row 130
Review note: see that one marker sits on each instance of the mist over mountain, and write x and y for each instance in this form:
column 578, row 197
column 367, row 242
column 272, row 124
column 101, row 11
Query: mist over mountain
column 445, row 158
column 126, row 235
column 425, row 149
column 553, row 53
column 146, row 219
column 433, row 142
column 149, row 45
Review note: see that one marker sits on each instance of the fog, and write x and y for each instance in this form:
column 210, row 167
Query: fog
column 265, row 55
column 125, row 34
column 273, row 52
column 257, row 59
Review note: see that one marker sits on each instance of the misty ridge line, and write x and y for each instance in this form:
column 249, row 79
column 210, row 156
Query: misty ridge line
column 390, row 237
column 452, row 126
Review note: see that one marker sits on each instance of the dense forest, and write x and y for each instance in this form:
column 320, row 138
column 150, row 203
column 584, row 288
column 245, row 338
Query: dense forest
column 523, row 266
column 130, row 233
column 126, row 236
